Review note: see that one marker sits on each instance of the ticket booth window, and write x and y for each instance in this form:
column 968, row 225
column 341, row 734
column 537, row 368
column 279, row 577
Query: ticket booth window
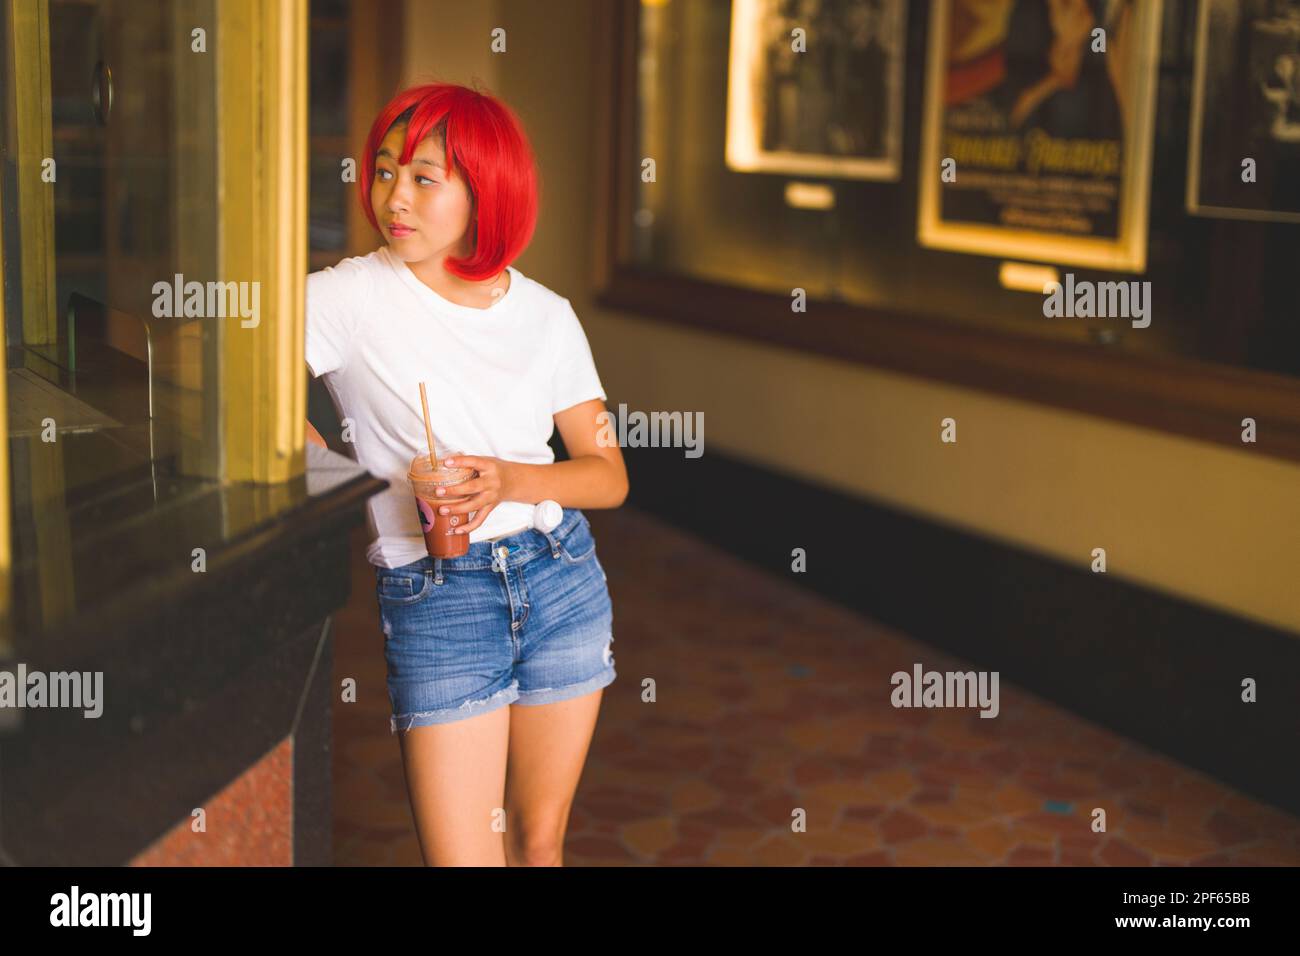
column 153, row 206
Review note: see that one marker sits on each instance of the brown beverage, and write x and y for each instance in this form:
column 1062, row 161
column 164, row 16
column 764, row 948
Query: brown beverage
column 438, row 528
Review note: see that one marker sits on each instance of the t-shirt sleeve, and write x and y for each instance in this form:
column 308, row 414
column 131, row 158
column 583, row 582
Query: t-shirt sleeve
column 575, row 379
column 336, row 299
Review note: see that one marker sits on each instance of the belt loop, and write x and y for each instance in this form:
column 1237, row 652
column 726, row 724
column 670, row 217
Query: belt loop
column 555, row 545
column 437, row 570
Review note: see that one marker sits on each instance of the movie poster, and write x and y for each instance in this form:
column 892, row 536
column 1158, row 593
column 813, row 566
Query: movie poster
column 1038, row 127
column 1246, row 106
column 826, row 102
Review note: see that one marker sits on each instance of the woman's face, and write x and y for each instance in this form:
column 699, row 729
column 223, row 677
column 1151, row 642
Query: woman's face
column 424, row 196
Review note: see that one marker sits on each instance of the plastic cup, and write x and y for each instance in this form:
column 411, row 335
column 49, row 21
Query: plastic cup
column 439, row 529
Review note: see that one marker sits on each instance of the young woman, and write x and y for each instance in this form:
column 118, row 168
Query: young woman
column 497, row 659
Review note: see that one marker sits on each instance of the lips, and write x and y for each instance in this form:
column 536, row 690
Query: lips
column 397, row 231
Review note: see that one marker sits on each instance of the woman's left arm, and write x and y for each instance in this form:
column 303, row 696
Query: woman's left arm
column 593, row 477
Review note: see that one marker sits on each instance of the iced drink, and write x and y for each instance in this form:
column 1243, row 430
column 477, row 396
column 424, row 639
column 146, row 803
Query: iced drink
column 438, row 528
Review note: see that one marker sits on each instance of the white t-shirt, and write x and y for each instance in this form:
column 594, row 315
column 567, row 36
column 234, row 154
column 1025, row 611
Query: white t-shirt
column 495, row 378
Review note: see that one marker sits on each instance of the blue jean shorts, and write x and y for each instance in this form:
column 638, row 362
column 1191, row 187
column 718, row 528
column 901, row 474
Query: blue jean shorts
column 525, row 619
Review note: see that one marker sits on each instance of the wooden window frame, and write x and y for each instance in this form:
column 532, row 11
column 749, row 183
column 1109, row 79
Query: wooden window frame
column 1184, row 396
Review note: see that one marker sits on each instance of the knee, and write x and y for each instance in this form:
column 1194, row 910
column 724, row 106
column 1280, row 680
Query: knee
column 538, row 849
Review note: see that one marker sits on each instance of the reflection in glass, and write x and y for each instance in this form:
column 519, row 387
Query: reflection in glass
column 771, row 204
column 134, row 205
column 113, row 401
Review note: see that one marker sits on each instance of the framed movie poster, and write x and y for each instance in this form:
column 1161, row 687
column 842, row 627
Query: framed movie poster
column 823, row 102
column 1036, row 140
column 1246, row 106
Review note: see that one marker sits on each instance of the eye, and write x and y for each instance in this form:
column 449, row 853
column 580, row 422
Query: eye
column 427, row 179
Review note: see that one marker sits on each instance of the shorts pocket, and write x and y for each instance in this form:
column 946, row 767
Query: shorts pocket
column 578, row 545
column 403, row 587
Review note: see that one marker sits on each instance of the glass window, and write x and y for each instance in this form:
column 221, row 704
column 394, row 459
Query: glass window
column 791, row 148
column 110, row 209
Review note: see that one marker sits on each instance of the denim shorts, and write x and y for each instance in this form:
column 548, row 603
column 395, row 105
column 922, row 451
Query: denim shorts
column 525, row 619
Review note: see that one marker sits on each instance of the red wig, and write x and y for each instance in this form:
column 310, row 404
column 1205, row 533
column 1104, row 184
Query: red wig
column 486, row 146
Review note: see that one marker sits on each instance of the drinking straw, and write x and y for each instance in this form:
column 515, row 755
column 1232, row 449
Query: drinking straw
column 428, row 429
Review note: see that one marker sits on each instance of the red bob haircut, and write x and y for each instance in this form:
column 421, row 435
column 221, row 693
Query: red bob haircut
column 486, row 146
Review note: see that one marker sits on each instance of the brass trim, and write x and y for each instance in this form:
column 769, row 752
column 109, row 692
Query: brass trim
column 262, row 162
column 30, row 56
column 6, row 546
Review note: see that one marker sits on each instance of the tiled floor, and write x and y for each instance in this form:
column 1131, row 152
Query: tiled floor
column 771, row 701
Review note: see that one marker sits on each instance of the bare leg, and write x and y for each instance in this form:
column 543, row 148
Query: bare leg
column 455, row 777
column 548, row 748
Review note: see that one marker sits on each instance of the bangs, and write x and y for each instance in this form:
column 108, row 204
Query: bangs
column 486, row 146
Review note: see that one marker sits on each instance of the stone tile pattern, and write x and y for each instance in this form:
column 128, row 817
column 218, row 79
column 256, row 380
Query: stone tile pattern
column 772, row 704
column 249, row 823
